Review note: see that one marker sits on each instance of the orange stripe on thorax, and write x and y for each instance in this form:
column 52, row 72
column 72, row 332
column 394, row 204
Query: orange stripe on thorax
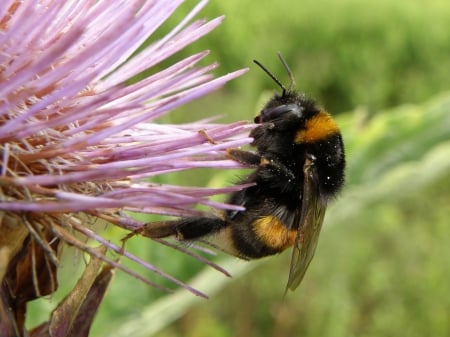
column 317, row 128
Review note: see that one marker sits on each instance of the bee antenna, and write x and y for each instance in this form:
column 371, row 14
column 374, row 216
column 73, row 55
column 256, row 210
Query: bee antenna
column 289, row 71
column 272, row 76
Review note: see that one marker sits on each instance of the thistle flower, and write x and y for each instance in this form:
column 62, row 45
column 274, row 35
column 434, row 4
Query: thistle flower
column 78, row 144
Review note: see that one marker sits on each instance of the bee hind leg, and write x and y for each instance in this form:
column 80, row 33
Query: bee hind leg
column 184, row 229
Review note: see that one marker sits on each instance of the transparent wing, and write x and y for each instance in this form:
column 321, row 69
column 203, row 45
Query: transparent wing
column 309, row 221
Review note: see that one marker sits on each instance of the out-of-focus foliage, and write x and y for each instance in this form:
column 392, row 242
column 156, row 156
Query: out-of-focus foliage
column 345, row 53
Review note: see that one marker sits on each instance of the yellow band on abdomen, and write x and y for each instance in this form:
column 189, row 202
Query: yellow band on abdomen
column 273, row 233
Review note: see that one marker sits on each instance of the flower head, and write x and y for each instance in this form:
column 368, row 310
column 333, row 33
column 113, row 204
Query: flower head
column 77, row 141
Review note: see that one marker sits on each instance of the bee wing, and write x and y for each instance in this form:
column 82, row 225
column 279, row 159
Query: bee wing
column 309, row 222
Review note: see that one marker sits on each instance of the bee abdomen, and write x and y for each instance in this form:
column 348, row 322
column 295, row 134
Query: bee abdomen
column 266, row 235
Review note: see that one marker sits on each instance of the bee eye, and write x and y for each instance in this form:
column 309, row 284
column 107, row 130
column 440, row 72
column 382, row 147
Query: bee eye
column 272, row 113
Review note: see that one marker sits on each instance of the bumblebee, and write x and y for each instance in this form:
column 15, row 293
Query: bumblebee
column 299, row 166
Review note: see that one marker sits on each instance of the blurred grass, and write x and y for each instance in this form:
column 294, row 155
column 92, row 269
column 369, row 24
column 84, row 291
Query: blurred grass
column 346, row 53
column 382, row 262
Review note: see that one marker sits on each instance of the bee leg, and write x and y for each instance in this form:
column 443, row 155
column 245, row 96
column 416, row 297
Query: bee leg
column 207, row 137
column 269, row 167
column 277, row 168
column 184, row 229
column 125, row 239
column 244, row 157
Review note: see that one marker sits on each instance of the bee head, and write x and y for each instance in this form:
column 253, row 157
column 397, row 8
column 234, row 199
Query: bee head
column 287, row 105
column 275, row 110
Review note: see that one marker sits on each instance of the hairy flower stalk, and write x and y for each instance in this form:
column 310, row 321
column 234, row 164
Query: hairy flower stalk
column 77, row 143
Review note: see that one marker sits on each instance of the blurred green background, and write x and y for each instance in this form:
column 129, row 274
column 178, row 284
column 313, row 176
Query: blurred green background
column 383, row 261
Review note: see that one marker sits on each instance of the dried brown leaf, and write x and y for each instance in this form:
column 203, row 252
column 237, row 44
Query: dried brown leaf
column 86, row 312
column 30, row 274
column 63, row 317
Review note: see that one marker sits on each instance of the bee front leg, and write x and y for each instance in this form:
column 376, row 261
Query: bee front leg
column 244, row 157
